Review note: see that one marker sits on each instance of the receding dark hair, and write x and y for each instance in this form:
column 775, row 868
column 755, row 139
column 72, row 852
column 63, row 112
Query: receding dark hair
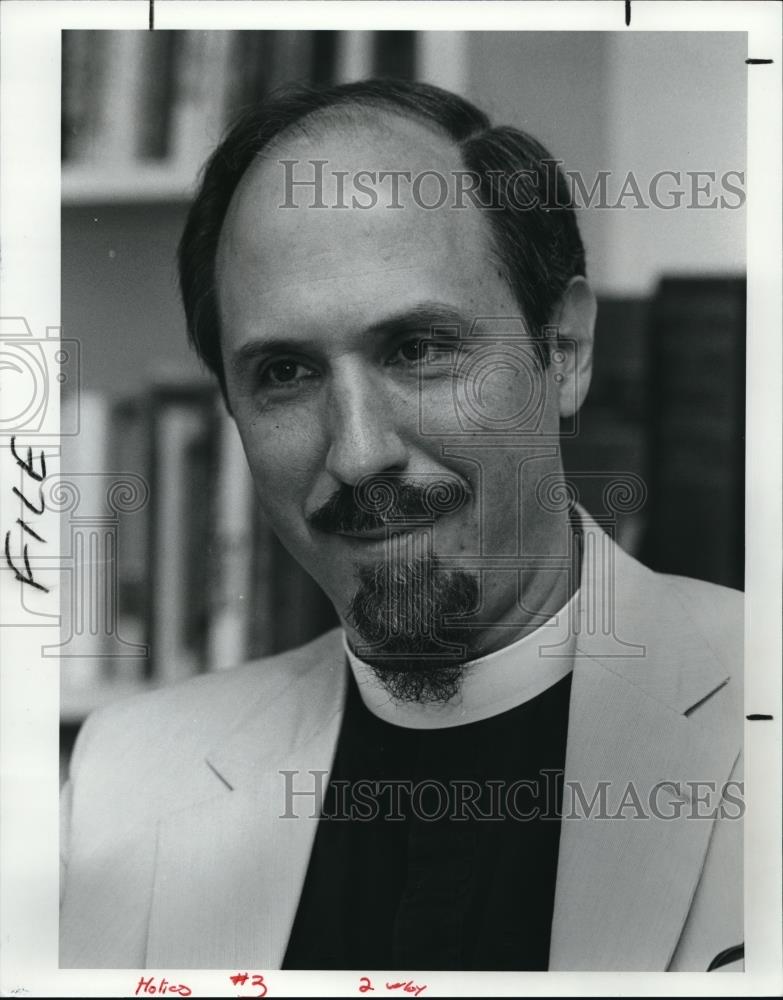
column 535, row 234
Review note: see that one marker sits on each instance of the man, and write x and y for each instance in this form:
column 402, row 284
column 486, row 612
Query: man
column 521, row 750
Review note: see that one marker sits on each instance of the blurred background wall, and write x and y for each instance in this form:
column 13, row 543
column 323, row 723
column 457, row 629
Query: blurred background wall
column 141, row 110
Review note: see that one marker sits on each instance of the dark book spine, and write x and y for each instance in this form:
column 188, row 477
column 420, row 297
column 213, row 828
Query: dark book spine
column 697, row 416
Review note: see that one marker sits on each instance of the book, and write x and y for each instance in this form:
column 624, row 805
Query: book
column 248, row 77
column 198, row 114
column 394, row 54
column 292, row 58
column 121, row 104
column 353, row 56
column 261, row 638
column 156, row 98
column 697, row 420
column 75, row 95
column 323, row 58
column 182, row 432
column 232, row 601
column 85, row 71
column 130, row 462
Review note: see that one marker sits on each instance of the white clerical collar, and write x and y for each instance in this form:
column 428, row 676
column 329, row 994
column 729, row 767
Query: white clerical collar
column 492, row 684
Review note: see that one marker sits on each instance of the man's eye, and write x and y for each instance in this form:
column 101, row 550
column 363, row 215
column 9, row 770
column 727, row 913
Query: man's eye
column 429, row 357
column 413, row 350
column 285, row 371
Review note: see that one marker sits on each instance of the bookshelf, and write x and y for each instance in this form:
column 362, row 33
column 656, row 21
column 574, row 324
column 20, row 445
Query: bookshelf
column 85, row 185
column 142, row 110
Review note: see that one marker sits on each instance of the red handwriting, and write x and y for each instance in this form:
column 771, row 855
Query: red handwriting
column 38, row 477
column 365, row 984
column 256, row 982
column 407, row 987
column 162, row 986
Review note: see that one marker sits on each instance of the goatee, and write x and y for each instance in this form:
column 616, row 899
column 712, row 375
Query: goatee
column 405, row 614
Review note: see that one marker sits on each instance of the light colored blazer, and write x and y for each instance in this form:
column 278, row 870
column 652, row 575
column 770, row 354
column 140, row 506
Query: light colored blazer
column 175, row 854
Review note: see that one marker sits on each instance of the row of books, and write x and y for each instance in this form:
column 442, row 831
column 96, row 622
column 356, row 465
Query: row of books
column 150, row 98
column 170, row 526
column 139, row 96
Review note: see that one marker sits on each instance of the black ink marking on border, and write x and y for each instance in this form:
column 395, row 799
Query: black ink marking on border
column 756, row 717
column 627, row 13
column 152, row 15
column 757, row 62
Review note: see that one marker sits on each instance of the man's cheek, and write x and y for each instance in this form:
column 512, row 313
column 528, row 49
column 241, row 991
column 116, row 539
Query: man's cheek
column 278, row 451
column 278, row 500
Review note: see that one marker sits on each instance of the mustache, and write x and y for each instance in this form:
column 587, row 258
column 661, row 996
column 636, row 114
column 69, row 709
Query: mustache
column 378, row 501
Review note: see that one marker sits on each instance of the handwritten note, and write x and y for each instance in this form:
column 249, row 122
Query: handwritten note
column 254, row 980
column 161, row 987
column 406, row 986
column 25, row 576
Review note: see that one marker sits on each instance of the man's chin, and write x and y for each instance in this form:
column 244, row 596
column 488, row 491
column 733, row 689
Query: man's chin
column 398, row 612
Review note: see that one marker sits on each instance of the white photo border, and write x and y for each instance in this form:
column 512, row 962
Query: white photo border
column 30, row 288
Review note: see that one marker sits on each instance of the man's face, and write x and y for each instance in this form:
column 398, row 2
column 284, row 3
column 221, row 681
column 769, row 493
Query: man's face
column 323, row 314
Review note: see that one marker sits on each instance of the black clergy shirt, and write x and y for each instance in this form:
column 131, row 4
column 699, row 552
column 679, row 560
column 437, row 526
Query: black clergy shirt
column 423, row 859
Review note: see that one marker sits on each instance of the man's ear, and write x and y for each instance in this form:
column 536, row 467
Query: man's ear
column 571, row 354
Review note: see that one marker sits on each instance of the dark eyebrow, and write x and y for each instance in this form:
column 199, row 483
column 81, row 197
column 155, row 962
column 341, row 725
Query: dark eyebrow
column 424, row 316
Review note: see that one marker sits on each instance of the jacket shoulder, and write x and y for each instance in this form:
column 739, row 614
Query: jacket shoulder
column 719, row 614
column 168, row 727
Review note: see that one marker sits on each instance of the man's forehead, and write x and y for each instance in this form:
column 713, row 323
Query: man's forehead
column 351, row 179
column 371, row 140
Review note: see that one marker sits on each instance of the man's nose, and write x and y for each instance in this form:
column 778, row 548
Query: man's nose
column 363, row 431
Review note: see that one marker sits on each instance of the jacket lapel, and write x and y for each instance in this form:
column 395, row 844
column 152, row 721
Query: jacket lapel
column 625, row 885
column 230, row 870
